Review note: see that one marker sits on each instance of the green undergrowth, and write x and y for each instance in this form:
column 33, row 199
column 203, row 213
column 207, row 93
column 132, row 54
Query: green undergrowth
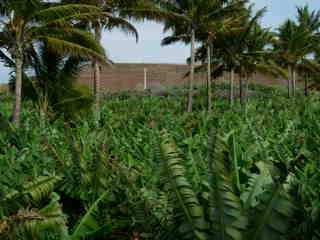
column 106, row 179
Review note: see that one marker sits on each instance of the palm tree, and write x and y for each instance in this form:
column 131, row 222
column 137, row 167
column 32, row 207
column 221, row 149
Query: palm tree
column 311, row 21
column 256, row 56
column 309, row 70
column 189, row 18
column 189, row 13
column 236, row 48
column 110, row 19
column 295, row 41
column 27, row 24
column 54, row 83
column 211, row 57
column 224, row 19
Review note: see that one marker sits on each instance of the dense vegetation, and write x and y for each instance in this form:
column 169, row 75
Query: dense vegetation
column 138, row 166
column 54, row 39
column 151, row 171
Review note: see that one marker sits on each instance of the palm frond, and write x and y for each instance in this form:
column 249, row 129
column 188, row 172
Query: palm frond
column 61, row 46
column 174, row 39
column 6, row 60
column 64, row 11
column 123, row 25
column 270, row 68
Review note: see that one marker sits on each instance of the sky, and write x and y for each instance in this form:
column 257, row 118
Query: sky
column 123, row 48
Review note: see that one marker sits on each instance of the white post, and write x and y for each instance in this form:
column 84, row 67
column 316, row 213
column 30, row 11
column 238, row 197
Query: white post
column 145, row 79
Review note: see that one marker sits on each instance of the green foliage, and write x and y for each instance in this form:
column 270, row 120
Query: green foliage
column 88, row 224
column 72, row 102
column 33, row 212
column 27, row 25
column 273, row 220
column 118, row 179
column 193, row 224
column 228, row 220
column 147, row 169
column 49, row 222
column 265, row 213
column 53, row 89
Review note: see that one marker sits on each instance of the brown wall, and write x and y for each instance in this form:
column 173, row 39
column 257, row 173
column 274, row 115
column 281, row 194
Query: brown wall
column 4, row 88
column 127, row 76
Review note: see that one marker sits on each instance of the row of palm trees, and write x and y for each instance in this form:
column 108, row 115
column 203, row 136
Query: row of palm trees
column 204, row 21
column 70, row 30
column 232, row 40
column 228, row 32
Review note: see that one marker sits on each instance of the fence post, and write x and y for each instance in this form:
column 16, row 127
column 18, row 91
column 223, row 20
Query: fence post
column 145, row 79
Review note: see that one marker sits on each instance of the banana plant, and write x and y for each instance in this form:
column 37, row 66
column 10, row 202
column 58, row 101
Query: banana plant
column 88, row 224
column 264, row 212
column 33, row 212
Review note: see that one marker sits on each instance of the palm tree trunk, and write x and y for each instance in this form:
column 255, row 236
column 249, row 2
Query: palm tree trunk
column 209, row 78
column 18, row 90
column 191, row 81
column 306, row 83
column 96, row 76
column 289, row 81
column 231, row 95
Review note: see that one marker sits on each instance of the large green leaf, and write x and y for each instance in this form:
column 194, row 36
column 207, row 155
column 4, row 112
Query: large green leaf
column 256, row 186
column 229, row 221
column 273, row 215
column 89, row 224
column 192, row 224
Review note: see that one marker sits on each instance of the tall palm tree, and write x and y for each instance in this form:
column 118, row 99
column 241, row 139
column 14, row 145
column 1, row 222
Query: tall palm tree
column 188, row 13
column 216, row 26
column 309, row 69
column 236, row 47
column 110, row 19
column 256, row 56
column 190, row 19
column 311, row 21
column 297, row 40
column 209, row 53
column 28, row 23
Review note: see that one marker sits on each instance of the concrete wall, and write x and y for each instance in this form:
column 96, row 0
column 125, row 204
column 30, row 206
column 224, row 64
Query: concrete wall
column 127, row 76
